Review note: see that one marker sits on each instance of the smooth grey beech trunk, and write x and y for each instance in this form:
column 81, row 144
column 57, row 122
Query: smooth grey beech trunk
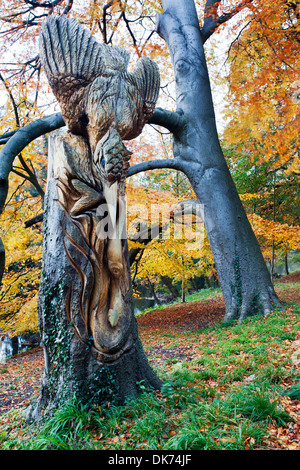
column 73, row 366
column 242, row 271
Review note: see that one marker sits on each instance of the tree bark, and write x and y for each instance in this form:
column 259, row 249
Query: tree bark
column 242, row 271
column 110, row 368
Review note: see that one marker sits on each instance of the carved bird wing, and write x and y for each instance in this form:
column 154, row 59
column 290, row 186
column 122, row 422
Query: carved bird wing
column 67, row 49
column 73, row 59
column 146, row 79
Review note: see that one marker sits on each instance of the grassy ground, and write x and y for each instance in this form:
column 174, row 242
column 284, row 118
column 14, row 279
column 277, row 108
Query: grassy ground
column 233, row 387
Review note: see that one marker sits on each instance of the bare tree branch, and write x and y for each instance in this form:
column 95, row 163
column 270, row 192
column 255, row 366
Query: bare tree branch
column 212, row 20
column 173, row 121
column 68, row 7
column 18, row 139
column 34, row 220
column 104, row 28
column 129, row 29
column 36, row 4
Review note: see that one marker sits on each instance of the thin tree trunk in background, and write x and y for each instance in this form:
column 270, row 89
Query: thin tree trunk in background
column 286, row 264
column 274, row 219
column 168, row 283
column 272, row 260
column 9, row 152
column 152, row 290
column 182, row 282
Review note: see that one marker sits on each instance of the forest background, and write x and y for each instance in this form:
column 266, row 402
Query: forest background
column 253, row 63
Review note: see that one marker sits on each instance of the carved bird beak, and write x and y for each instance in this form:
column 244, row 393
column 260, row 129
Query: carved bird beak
column 110, row 192
column 114, row 248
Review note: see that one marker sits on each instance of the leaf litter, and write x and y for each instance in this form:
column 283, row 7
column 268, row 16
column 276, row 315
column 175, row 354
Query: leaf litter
column 169, row 340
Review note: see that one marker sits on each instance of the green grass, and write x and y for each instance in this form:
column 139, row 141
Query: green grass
column 293, row 392
column 226, row 398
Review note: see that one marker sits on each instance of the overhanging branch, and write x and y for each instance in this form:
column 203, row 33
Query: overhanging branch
column 18, row 139
column 173, row 121
column 174, row 164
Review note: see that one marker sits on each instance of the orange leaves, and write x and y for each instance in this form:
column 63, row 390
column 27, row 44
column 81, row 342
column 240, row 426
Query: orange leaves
column 21, row 381
column 282, row 234
column 26, row 318
column 264, row 65
column 157, row 49
column 286, row 237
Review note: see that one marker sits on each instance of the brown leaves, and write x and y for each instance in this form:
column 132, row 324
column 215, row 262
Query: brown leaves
column 20, row 379
column 169, row 336
column 287, row 437
column 190, row 316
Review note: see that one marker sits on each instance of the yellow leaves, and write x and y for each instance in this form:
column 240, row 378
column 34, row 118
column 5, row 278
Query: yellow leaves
column 156, row 49
column 18, row 297
column 249, row 197
column 26, row 318
column 18, row 294
column 115, row 5
column 172, row 258
column 18, row 243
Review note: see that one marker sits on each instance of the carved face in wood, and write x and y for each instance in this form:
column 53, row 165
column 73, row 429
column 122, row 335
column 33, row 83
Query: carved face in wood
column 103, row 104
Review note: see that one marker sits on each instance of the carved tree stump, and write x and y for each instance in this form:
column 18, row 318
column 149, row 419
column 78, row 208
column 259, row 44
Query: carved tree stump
column 89, row 352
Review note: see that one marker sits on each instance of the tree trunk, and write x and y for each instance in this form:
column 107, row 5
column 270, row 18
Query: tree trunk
column 272, row 261
column 95, row 363
column 242, row 271
column 17, row 142
column 152, row 290
column 286, row 262
column 182, row 282
column 274, row 219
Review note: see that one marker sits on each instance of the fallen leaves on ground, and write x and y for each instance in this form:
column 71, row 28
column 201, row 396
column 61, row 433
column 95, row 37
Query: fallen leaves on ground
column 20, row 376
column 20, row 379
column 293, row 277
